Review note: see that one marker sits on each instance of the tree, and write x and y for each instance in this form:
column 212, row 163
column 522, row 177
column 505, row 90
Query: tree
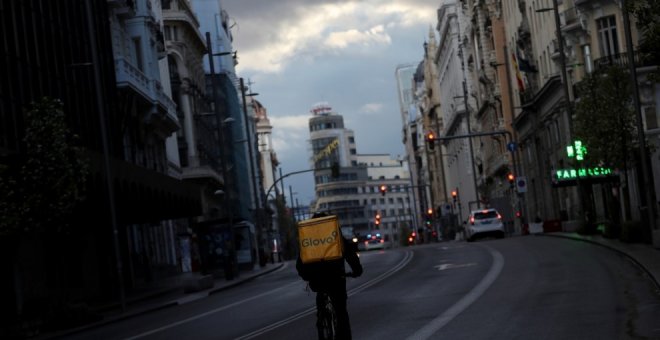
column 605, row 119
column 605, row 123
column 39, row 193
column 648, row 25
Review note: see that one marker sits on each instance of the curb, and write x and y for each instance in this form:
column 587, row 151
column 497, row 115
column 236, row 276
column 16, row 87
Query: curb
column 648, row 273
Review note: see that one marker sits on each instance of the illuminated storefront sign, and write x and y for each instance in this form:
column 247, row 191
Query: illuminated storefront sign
column 573, row 174
column 569, row 177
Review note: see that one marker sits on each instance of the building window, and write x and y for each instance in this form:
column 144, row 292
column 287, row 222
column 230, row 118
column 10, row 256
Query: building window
column 607, row 38
column 588, row 65
column 351, row 140
column 138, row 54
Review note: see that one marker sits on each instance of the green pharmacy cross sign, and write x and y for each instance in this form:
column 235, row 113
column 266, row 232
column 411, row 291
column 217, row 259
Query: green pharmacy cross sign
column 577, row 151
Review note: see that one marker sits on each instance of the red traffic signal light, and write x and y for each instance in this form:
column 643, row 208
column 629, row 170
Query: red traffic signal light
column 510, row 177
column 383, row 189
column 454, row 194
column 430, row 139
column 429, row 211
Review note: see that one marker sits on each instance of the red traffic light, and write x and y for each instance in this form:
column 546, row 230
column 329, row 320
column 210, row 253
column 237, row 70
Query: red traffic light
column 454, row 194
column 510, row 177
column 383, row 189
column 430, row 139
column 429, row 211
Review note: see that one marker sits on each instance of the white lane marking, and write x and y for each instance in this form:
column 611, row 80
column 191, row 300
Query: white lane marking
column 311, row 310
column 445, row 266
column 436, row 324
column 219, row 309
column 406, row 259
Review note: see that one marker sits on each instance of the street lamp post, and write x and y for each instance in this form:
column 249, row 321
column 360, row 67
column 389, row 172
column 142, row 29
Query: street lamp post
column 220, row 123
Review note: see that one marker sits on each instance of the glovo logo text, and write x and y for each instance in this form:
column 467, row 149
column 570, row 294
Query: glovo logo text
column 315, row 242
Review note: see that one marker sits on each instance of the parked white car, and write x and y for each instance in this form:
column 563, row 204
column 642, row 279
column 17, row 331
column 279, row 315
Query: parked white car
column 482, row 223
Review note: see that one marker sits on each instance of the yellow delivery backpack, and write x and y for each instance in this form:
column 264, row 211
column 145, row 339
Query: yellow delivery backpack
column 320, row 239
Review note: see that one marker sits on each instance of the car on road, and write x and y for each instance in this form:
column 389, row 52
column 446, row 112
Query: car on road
column 483, row 223
column 374, row 241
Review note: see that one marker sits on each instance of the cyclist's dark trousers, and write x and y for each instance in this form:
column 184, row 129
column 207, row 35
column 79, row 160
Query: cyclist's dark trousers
column 338, row 297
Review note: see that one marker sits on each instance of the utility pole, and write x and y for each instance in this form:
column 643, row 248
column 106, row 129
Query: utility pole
column 253, row 174
column 106, row 156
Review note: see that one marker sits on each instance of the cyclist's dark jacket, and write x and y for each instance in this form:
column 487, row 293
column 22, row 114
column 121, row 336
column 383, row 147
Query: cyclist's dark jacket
column 330, row 274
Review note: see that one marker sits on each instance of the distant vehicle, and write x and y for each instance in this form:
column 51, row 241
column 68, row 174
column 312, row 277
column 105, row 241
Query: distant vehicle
column 482, row 223
column 348, row 233
column 374, row 241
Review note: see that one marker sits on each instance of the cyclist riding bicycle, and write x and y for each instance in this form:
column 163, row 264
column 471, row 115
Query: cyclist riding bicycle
column 329, row 277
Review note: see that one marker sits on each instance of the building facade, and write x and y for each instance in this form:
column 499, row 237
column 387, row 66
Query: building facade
column 105, row 65
column 412, row 134
column 347, row 183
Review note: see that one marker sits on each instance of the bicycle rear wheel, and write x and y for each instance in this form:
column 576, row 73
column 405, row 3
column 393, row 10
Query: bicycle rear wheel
column 327, row 321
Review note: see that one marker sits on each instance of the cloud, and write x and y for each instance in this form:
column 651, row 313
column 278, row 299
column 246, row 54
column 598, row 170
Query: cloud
column 315, row 29
column 289, row 133
column 341, row 40
column 371, row 108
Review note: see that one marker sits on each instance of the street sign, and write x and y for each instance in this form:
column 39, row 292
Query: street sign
column 511, row 146
column 521, row 184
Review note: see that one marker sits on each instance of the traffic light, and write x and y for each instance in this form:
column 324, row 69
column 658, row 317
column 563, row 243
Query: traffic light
column 377, row 220
column 430, row 140
column 412, row 237
column 511, row 178
column 383, row 189
column 454, row 195
column 334, row 169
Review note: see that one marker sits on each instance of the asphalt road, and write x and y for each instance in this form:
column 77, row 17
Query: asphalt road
column 515, row 288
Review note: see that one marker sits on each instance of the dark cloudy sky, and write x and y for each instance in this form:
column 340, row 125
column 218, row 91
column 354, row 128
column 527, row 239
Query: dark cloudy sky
column 301, row 52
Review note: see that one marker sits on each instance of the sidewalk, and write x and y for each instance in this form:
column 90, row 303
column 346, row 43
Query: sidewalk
column 168, row 293
column 647, row 257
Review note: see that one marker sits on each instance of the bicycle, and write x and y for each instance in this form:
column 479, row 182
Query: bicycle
column 327, row 316
column 326, row 319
